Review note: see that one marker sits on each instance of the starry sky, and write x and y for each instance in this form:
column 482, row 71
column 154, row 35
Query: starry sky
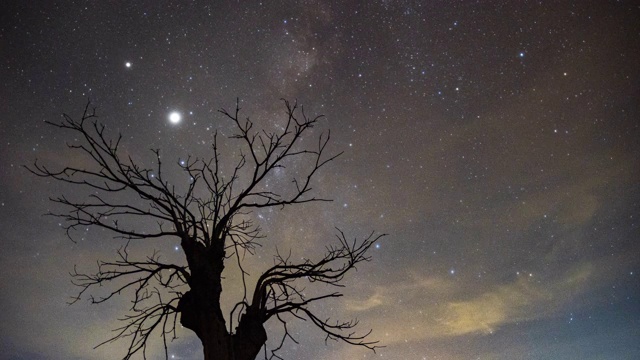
column 496, row 142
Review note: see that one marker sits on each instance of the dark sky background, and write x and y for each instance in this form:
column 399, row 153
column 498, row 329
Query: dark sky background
column 496, row 142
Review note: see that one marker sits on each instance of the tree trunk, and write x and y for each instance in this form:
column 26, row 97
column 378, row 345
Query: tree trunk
column 250, row 336
column 200, row 309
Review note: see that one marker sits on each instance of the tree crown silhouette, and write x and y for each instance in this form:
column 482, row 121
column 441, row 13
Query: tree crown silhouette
column 211, row 218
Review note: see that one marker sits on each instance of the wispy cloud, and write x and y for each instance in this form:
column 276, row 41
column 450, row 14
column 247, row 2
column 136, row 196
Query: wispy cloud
column 437, row 307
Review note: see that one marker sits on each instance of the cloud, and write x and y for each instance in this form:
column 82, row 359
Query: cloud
column 371, row 302
column 487, row 312
column 523, row 300
column 433, row 308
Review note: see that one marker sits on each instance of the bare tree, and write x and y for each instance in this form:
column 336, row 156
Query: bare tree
column 212, row 220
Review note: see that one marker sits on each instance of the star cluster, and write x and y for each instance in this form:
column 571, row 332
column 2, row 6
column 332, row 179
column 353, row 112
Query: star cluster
column 495, row 142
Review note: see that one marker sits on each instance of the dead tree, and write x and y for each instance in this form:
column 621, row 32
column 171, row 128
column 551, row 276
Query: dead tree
column 211, row 218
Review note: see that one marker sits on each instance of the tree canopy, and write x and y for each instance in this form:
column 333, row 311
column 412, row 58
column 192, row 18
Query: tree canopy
column 212, row 218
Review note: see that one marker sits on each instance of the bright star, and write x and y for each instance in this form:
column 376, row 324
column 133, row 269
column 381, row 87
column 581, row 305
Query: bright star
column 175, row 117
column 127, row 64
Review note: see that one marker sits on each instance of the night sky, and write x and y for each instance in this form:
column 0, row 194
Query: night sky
column 496, row 142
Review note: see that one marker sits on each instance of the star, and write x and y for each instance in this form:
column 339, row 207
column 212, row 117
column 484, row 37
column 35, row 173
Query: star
column 127, row 64
column 175, row 117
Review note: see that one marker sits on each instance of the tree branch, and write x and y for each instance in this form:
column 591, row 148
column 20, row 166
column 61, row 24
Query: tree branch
column 210, row 215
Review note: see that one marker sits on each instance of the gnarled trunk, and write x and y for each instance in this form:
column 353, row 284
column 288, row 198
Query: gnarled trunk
column 200, row 309
column 250, row 336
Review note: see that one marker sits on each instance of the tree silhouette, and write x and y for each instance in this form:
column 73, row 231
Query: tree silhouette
column 211, row 218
